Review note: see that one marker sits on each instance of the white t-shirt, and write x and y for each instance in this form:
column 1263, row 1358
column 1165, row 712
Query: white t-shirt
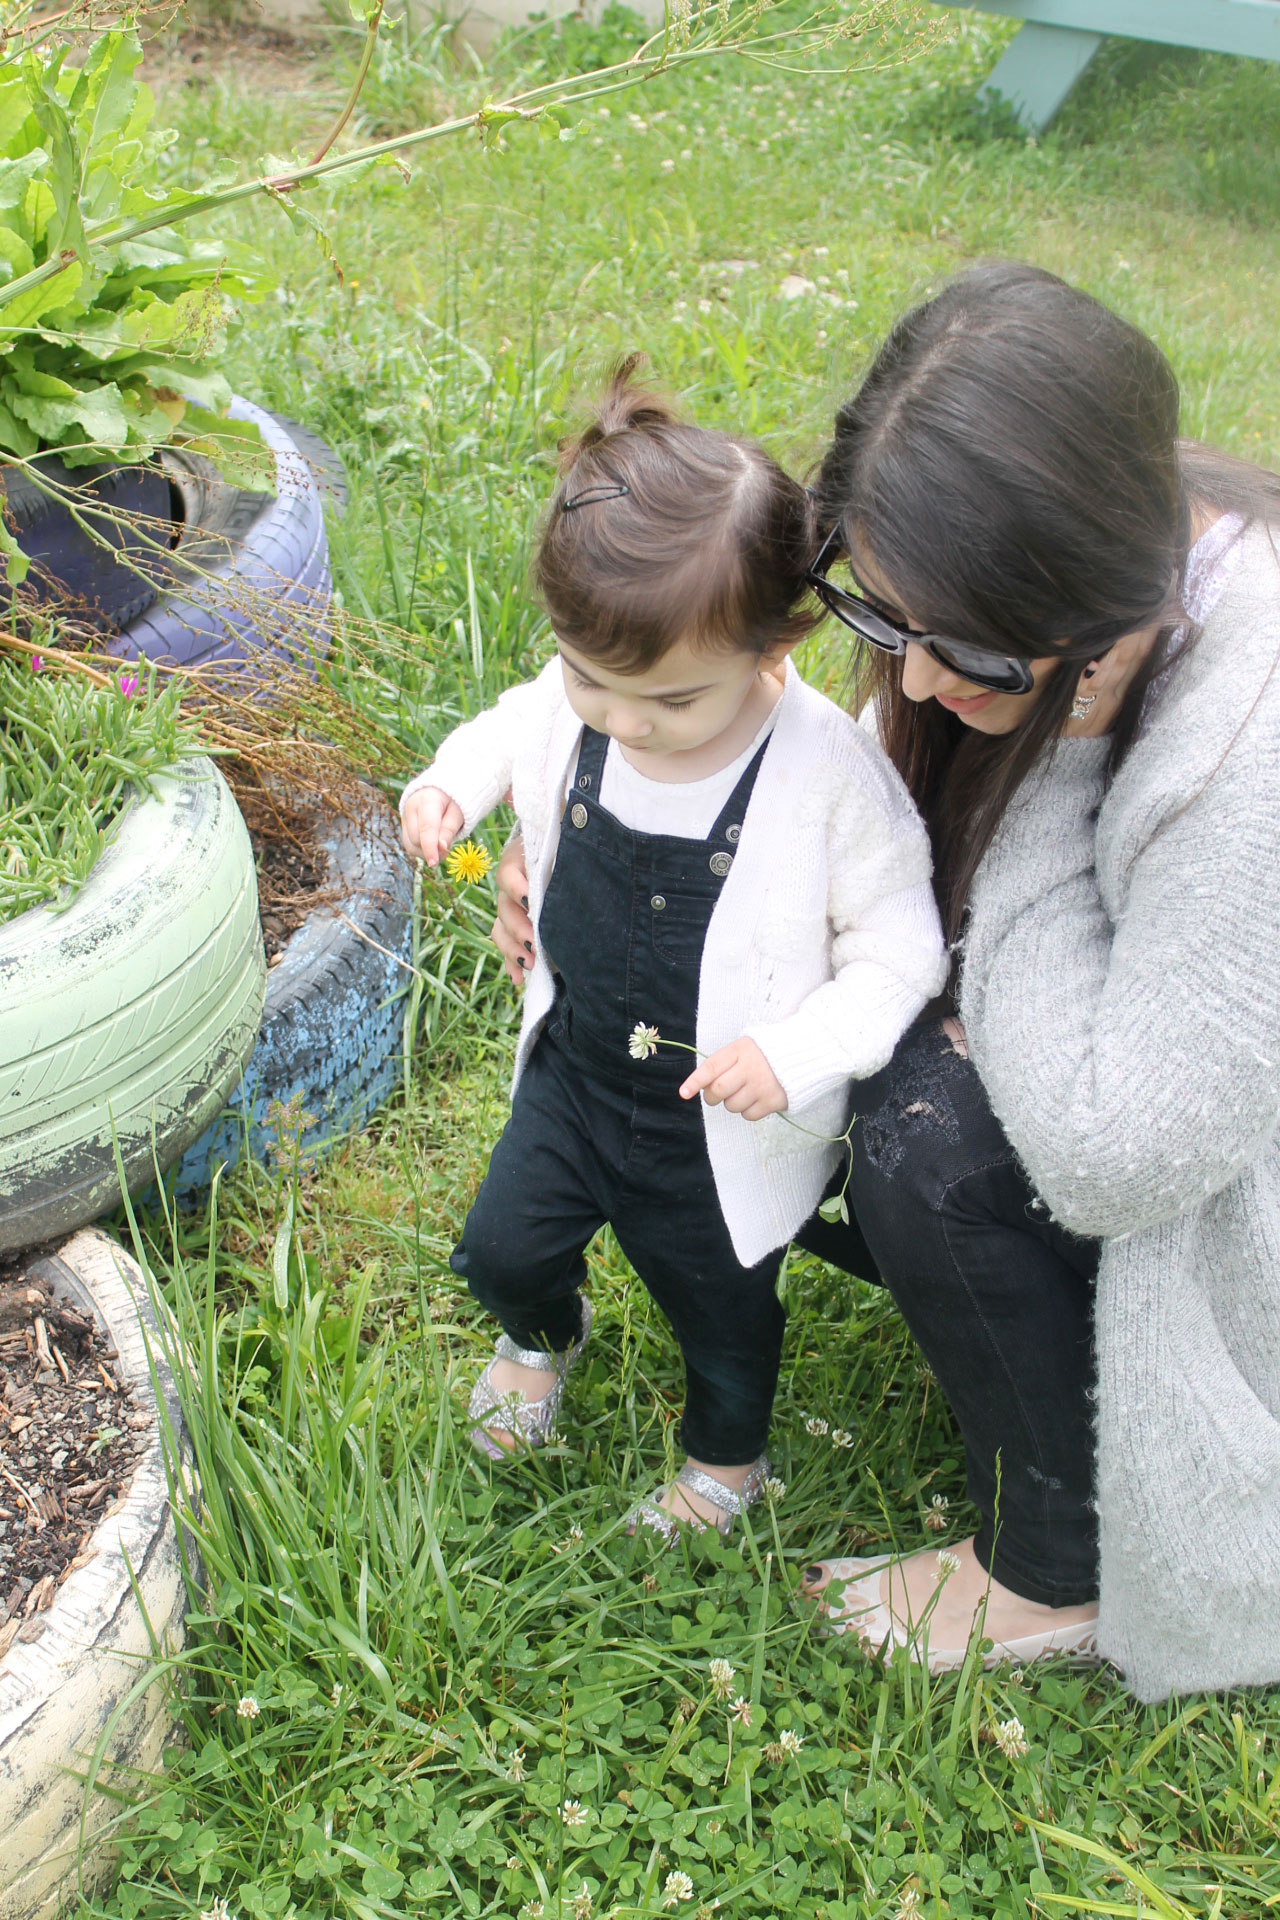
column 686, row 809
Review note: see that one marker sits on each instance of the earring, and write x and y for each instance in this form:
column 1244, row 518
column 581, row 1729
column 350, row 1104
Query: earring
column 1083, row 705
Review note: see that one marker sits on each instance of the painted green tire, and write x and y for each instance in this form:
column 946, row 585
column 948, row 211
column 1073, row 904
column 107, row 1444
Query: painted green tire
column 132, row 1012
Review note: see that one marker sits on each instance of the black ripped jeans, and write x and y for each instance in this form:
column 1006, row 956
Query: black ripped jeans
column 999, row 1297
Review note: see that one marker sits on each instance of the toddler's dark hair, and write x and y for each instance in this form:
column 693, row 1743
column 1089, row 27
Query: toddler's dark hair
column 679, row 533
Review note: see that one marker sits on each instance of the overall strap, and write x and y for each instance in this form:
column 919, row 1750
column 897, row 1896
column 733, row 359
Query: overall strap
column 728, row 825
column 589, row 771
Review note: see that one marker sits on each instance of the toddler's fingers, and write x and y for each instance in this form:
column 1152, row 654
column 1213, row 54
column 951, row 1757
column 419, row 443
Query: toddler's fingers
column 450, row 827
column 705, row 1072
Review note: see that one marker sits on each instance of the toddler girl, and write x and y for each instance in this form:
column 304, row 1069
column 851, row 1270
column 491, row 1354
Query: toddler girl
column 717, row 856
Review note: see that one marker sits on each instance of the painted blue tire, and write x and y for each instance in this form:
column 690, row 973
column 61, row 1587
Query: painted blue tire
column 250, row 570
column 108, row 580
column 334, row 1015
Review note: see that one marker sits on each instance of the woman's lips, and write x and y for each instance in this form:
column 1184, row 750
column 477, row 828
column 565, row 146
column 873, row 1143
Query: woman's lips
column 974, row 703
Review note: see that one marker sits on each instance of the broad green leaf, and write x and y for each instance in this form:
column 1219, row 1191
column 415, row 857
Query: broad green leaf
column 15, row 255
column 16, row 177
column 103, row 96
column 43, row 386
column 235, row 447
column 64, row 228
column 16, row 436
column 16, row 563
column 48, row 297
column 15, row 115
column 212, row 391
column 97, row 416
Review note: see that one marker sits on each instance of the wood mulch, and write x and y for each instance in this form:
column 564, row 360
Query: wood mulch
column 71, row 1434
column 293, row 867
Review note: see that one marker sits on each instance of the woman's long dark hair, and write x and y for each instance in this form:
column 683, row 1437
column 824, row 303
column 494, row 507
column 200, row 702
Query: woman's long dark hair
column 1011, row 469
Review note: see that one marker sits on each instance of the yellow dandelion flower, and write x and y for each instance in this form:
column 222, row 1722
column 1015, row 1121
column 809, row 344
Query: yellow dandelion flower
column 468, row 864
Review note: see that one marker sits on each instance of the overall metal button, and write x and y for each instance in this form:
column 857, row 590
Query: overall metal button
column 584, row 781
column 720, row 864
column 578, row 815
column 732, row 834
column 657, row 903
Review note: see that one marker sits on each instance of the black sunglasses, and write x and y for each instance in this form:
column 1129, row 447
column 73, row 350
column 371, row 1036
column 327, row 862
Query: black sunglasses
column 994, row 672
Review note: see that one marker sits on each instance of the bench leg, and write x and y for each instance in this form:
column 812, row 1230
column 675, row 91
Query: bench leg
column 1038, row 69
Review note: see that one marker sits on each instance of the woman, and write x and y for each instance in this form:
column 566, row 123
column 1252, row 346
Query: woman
column 1073, row 1189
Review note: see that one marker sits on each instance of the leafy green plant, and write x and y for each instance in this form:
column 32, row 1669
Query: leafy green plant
column 74, row 749
column 116, row 349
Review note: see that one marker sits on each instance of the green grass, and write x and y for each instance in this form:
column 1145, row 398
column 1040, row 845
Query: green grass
column 71, row 754
column 349, row 1536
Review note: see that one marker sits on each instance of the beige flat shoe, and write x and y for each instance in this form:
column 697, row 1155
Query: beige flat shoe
column 859, row 1610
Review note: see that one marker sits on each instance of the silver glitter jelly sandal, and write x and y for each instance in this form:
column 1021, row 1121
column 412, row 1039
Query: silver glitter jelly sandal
column 531, row 1423
column 729, row 1501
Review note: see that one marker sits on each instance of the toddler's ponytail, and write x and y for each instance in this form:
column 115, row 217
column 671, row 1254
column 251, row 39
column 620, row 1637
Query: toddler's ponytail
column 661, row 531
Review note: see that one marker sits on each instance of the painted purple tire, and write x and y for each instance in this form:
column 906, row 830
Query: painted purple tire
column 250, row 570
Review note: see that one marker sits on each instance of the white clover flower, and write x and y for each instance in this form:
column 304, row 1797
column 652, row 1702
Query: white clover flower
column 643, row 1041
column 722, row 1676
column 218, row 1911
column 572, row 1539
column 336, row 1696
column 581, row 1907
column 936, row 1518
column 666, row 166
column 909, row 1903
column 516, row 1769
column 531, row 1910
column 947, row 1564
column 839, row 1438
column 573, row 1813
column 1010, row 1737
column 741, row 1711
column 247, row 1707
column 775, row 1489
column 676, row 1887
column 818, row 1428
column 790, row 1741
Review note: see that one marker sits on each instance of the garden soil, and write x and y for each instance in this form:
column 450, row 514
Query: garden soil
column 70, row 1436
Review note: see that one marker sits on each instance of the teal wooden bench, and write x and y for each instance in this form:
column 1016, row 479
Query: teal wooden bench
column 1059, row 38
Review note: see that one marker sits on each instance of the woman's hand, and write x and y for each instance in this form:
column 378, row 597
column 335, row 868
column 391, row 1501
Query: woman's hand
column 1107, row 681
column 741, row 1077
column 512, row 932
column 430, row 822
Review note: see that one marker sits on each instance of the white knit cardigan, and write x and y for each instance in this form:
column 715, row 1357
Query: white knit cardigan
column 1121, row 995
column 823, row 946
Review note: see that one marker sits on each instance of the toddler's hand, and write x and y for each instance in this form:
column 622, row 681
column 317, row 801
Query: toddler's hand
column 430, row 822
column 741, row 1077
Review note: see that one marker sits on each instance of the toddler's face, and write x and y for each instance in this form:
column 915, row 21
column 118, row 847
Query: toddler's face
column 686, row 701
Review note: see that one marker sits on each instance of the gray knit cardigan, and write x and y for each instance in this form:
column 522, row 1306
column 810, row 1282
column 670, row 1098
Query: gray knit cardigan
column 1121, row 994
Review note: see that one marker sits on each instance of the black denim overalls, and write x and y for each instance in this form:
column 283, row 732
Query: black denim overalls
column 595, row 1136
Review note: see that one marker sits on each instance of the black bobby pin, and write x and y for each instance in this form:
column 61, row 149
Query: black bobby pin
column 591, row 496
